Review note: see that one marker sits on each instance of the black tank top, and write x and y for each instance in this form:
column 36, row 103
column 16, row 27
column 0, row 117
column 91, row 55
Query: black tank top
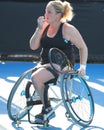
column 57, row 41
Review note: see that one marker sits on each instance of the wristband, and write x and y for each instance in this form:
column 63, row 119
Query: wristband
column 83, row 66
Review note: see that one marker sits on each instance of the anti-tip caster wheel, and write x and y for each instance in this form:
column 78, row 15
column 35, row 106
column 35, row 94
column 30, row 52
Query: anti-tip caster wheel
column 46, row 124
column 18, row 122
column 67, row 115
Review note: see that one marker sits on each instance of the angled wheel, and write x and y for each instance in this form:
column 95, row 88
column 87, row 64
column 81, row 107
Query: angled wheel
column 16, row 105
column 77, row 99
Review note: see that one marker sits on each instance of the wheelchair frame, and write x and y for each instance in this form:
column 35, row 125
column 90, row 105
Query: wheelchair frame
column 68, row 99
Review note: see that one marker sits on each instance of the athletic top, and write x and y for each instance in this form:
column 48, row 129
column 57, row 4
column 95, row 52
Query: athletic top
column 57, row 41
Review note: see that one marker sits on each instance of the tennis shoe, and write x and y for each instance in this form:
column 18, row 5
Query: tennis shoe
column 39, row 118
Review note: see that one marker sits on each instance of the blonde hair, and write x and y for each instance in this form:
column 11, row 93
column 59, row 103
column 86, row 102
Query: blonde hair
column 64, row 8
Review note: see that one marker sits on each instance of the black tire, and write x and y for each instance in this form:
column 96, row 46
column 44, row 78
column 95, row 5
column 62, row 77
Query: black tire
column 16, row 105
column 79, row 103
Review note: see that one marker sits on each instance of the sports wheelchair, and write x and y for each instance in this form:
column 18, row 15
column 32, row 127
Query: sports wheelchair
column 74, row 95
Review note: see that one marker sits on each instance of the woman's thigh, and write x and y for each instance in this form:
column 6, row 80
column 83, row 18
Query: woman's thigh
column 42, row 75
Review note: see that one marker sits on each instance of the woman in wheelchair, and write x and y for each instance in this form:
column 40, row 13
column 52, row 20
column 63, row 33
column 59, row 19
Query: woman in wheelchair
column 53, row 30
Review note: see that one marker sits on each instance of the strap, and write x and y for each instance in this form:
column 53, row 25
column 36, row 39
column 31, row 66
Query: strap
column 46, row 102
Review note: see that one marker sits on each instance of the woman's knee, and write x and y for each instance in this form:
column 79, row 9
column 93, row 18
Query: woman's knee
column 36, row 81
column 41, row 76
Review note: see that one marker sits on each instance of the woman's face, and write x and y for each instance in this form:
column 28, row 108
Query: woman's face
column 50, row 14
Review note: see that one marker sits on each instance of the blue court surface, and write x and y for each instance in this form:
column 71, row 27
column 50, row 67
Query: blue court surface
column 9, row 73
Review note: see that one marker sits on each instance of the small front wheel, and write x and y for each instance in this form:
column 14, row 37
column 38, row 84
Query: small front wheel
column 46, row 124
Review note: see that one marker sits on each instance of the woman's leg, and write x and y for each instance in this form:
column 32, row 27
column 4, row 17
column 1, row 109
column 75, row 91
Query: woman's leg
column 39, row 78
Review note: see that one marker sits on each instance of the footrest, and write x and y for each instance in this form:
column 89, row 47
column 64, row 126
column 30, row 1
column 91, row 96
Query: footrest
column 31, row 103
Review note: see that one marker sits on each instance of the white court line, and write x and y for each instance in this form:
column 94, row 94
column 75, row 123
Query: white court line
column 96, row 86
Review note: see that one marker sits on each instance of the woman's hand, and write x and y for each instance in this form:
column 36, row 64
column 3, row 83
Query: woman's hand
column 82, row 70
column 41, row 21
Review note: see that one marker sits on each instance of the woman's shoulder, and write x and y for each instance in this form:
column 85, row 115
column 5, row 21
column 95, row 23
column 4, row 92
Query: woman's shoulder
column 69, row 30
column 68, row 26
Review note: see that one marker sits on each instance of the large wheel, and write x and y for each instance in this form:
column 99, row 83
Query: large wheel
column 16, row 105
column 77, row 99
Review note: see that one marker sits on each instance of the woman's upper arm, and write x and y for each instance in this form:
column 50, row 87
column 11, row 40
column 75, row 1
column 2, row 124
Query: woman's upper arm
column 73, row 35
